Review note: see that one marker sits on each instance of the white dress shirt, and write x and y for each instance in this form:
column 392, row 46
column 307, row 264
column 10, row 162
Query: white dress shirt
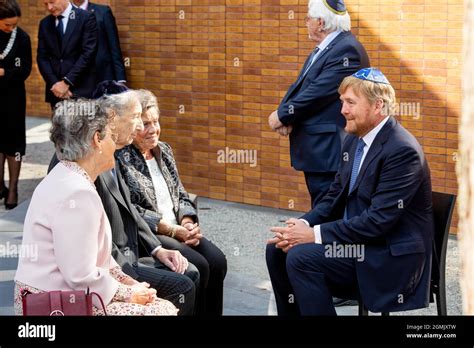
column 368, row 140
column 84, row 5
column 163, row 197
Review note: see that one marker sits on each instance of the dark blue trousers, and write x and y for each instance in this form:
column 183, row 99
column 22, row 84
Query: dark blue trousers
column 305, row 280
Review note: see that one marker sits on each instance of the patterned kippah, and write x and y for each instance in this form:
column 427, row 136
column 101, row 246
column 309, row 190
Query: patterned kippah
column 371, row 74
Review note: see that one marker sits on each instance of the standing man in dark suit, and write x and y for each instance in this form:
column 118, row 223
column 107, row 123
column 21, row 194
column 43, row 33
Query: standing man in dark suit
column 372, row 233
column 67, row 44
column 109, row 61
column 310, row 112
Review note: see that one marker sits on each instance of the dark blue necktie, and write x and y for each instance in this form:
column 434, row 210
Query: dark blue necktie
column 355, row 168
column 60, row 27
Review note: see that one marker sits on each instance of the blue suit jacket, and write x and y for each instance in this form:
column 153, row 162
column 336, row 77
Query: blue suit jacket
column 313, row 108
column 389, row 212
column 75, row 60
column 109, row 61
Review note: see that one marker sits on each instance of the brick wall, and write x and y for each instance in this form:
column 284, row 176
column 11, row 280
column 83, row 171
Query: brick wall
column 219, row 67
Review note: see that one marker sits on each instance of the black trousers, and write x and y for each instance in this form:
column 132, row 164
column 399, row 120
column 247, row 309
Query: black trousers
column 318, row 185
column 180, row 289
column 212, row 266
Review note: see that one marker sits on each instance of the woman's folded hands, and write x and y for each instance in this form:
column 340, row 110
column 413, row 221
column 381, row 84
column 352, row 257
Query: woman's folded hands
column 142, row 294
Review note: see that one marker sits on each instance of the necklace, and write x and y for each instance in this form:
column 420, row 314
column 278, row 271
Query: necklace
column 9, row 45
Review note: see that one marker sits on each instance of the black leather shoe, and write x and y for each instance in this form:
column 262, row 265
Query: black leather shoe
column 339, row 302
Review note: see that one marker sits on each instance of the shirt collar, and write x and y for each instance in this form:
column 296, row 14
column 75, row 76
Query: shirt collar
column 67, row 11
column 328, row 39
column 84, row 5
column 370, row 137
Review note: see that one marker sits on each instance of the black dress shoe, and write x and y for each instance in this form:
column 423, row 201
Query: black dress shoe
column 339, row 302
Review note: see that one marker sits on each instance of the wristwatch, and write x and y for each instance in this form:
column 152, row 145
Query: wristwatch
column 67, row 81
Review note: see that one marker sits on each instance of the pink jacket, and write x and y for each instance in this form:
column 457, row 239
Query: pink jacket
column 66, row 224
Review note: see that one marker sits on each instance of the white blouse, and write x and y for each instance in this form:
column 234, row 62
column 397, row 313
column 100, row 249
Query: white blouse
column 163, row 197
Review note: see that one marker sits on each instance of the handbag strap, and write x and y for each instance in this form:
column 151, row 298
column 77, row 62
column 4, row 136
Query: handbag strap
column 55, row 300
column 100, row 300
column 24, row 293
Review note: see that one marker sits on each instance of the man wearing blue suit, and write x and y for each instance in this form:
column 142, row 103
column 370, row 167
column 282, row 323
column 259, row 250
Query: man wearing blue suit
column 310, row 112
column 109, row 61
column 379, row 204
column 67, row 45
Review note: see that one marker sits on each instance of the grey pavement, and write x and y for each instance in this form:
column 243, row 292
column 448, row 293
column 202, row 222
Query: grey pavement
column 239, row 230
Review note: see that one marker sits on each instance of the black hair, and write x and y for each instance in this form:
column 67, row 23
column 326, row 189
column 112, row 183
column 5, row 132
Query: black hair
column 9, row 9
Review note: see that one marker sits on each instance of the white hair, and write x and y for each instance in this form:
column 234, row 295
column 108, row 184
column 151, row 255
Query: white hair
column 332, row 21
column 120, row 103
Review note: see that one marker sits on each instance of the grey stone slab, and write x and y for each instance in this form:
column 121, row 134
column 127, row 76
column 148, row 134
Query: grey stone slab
column 246, row 295
column 252, row 285
column 231, row 312
column 12, row 220
column 6, row 291
column 245, row 302
column 7, row 311
column 241, row 231
column 6, row 264
column 347, row 310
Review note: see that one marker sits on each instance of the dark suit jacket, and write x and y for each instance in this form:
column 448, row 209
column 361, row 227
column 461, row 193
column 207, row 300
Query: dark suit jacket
column 313, row 108
column 75, row 60
column 389, row 212
column 109, row 60
column 132, row 238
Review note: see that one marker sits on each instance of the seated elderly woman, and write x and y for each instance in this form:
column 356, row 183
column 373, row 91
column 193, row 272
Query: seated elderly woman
column 67, row 224
column 150, row 171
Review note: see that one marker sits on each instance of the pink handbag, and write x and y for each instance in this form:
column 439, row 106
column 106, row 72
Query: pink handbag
column 59, row 303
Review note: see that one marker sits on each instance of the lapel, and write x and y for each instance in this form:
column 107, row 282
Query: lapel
column 305, row 65
column 112, row 187
column 374, row 150
column 331, row 45
column 123, row 188
column 91, row 7
column 318, row 58
column 138, row 161
column 71, row 24
column 346, row 173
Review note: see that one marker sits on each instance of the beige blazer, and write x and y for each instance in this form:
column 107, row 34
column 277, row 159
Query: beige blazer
column 67, row 238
